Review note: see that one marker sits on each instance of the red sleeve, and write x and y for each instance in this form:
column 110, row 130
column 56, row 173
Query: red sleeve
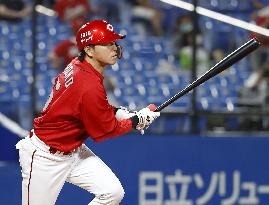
column 99, row 118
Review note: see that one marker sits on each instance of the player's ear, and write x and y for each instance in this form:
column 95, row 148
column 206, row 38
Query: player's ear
column 89, row 50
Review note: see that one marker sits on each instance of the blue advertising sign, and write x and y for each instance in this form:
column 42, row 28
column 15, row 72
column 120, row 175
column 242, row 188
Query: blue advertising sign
column 172, row 170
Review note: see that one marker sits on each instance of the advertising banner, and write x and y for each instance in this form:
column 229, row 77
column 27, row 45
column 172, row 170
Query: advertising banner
column 173, row 170
column 169, row 170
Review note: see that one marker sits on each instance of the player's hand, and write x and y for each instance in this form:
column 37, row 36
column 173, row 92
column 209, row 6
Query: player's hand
column 123, row 113
column 145, row 117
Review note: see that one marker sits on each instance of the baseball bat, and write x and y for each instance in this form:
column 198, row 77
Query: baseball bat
column 225, row 63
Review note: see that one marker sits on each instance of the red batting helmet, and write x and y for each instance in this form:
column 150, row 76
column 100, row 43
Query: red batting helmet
column 96, row 32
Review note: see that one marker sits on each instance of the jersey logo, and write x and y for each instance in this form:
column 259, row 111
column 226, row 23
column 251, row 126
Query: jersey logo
column 109, row 27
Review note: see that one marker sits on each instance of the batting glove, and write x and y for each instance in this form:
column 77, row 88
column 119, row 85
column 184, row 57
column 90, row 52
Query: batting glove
column 145, row 117
column 123, row 113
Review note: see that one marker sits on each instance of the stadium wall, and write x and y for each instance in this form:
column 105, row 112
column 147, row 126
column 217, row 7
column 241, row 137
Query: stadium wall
column 165, row 170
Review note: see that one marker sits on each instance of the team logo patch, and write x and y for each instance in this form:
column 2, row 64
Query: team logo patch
column 109, row 27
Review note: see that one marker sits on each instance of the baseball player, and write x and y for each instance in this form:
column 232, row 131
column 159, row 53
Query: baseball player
column 54, row 152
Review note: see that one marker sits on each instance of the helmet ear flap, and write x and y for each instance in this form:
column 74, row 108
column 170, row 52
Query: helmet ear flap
column 119, row 51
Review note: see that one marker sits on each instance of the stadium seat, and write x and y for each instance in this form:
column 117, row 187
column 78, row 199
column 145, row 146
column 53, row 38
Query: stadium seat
column 137, row 75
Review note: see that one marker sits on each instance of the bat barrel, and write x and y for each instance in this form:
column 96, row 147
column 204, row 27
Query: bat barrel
column 225, row 63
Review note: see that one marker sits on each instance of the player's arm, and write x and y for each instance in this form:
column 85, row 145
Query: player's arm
column 122, row 113
column 99, row 118
column 101, row 123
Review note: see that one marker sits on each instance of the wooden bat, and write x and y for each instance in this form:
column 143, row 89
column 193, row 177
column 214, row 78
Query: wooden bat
column 225, row 63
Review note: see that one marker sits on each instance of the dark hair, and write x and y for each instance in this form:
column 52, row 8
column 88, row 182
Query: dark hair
column 81, row 55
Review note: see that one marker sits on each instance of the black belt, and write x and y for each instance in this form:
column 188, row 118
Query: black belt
column 53, row 151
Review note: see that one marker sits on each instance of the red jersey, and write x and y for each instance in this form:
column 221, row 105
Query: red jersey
column 66, row 50
column 65, row 7
column 78, row 108
column 62, row 7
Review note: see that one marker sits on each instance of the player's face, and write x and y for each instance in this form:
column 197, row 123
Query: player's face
column 106, row 53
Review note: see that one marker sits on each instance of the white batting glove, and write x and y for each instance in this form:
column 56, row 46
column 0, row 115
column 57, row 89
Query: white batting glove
column 123, row 113
column 146, row 117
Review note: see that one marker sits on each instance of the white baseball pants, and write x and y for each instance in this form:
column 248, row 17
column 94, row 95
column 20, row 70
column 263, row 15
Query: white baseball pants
column 44, row 174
